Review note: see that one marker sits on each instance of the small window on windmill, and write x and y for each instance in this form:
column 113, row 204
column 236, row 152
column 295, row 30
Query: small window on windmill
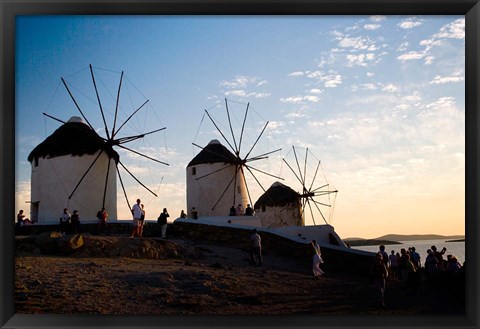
column 194, row 171
column 36, row 161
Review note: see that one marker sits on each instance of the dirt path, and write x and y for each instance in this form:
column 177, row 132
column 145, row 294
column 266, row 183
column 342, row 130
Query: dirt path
column 221, row 281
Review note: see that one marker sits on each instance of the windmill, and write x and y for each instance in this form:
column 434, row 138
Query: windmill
column 216, row 177
column 94, row 146
column 317, row 197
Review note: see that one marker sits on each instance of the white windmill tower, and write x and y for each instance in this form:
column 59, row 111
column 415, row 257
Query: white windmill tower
column 216, row 175
column 76, row 168
column 58, row 164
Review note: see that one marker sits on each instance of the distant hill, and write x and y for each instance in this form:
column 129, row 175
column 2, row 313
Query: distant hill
column 412, row 237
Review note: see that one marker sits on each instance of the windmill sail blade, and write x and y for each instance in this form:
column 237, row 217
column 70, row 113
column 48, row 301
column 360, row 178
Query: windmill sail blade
column 298, row 166
column 116, row 106
column 85, row 174
column 293, row 171
column 321, row 213
column 248, row 168
column 311, row 212
column 99, row 102
column 213, row 172
column 124, row 140
column 131, row 115
column 263, row 172
column 318, row 188
column 51, row 117
column 231, row 129
column 106, row 182
column 262, row 156
column 143, row 155
column 123, row 187
column 321, row 203
column 61, row 121
column 246, row 186
column 214, row 153
column 243, row 126
column 314, row 176
column 226, row 140
column 305, row 165
column 225, row 191
column 76, row 104
column 251, row 149
column 139, row 182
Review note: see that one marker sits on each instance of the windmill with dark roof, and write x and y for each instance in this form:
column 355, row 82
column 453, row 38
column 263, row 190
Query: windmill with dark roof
column 77, row 168
column 216, row 176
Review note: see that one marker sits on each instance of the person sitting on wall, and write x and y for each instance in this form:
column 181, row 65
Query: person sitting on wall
column 239, row 210
column 248, row 210
column 20, row 218
column 194, row 213
column 233, row 211
column 183, row 214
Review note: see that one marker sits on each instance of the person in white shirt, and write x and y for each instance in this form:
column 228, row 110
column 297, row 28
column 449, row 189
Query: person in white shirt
column 137, row 217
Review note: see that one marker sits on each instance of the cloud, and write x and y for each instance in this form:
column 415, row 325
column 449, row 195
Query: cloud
column 453, row 30
column 360, row 59
column 377, row 18
column 442, row 80
column 390, row 88
column 372, row 27
column 300, row 99
column 296, row 74
column 240, row 84
column 370, row 74
column 357, row 43
column 412, row 55
column 409, row 24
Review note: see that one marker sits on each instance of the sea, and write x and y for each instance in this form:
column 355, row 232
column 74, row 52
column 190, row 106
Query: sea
column 421, row 246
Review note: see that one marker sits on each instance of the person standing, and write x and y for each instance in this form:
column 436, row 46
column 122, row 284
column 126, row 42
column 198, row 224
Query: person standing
column 75, row 222
column 137, row 215
column 393, row 261
column 379, row 274
column 65, row 221
column 162, row 220
column 102, row 216
column 317, row 260
column 256, row 248
column 141, row 222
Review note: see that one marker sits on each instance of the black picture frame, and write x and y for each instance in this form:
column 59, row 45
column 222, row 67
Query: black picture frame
column 9, row 9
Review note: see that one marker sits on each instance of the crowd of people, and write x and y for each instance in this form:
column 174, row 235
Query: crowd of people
column 406, row 267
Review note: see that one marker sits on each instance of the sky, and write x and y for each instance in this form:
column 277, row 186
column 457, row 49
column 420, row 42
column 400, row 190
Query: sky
column 378, row 100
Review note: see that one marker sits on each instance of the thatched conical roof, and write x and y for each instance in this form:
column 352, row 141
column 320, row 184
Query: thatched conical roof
column 73, row 137
column 212, row 153
column 277, row 195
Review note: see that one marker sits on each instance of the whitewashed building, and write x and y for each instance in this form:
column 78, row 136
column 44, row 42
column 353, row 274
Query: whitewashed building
column 58, row 165
column 208, row 175
column 279, row 206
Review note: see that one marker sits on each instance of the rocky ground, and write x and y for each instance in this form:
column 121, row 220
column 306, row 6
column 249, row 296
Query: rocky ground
column 119, row 275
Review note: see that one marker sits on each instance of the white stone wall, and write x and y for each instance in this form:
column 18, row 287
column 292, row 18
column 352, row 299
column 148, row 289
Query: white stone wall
column 53, row 180
column 289, row 215
column 205, row 192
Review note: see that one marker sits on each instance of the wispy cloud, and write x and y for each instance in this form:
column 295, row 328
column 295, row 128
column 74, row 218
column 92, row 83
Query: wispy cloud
column 241, row 86
column 442, row 80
